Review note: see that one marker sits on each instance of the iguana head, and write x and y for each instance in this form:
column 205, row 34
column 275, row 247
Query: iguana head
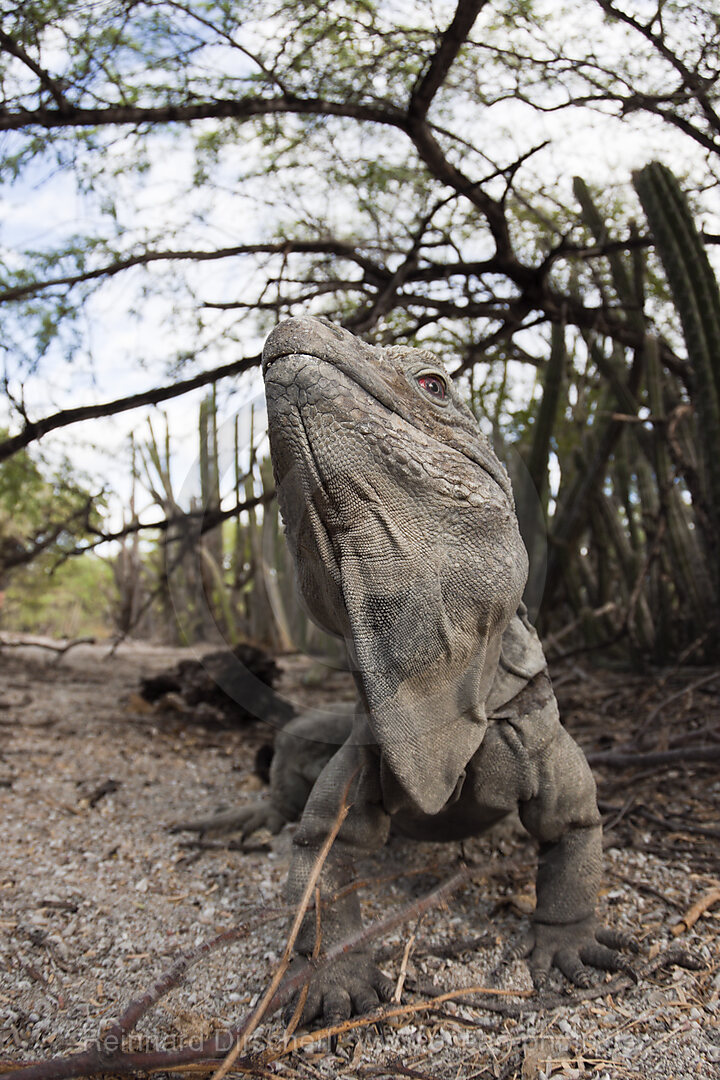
column 402, row 526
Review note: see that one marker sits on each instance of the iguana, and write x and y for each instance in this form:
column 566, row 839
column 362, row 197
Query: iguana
column 402, row 527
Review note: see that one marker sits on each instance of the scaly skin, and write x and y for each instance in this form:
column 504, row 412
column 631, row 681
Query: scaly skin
column 402, row 526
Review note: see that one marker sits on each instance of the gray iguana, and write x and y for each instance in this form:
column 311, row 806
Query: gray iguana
column 402, row 527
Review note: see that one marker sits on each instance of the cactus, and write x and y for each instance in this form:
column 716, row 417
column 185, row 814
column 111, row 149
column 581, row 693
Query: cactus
column 687, row 555
column 210, row 545
column 638, row 516
column 210, row 471
column 531, row 484
column 537, row 462
column 697, row 299
column 628, row 286
column 576, row 498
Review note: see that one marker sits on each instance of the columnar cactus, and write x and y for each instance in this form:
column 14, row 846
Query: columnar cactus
column 697, row 299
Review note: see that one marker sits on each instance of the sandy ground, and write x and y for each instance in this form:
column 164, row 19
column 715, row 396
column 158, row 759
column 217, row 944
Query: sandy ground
column 97, row 898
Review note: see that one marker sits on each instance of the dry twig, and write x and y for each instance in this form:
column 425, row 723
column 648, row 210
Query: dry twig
column 397, row 996
column 255, row 1019
column 699, row 908
column 688, row 689
column 383, row 1014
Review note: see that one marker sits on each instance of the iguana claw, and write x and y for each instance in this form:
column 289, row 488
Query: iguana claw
column 571, row 946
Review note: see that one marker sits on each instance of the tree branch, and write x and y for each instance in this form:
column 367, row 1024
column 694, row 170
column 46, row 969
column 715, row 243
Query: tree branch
column 451, row 42
column 342, row 249
column 412, row 124
column 36, row 429
column 203, row 520
column 243, row 108
column 691, row 79
column 9, row 45
column 432, row 155
column 22, row 555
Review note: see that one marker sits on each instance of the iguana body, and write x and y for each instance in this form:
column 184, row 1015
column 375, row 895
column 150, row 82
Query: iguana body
column 403, row 530
column 305, row 745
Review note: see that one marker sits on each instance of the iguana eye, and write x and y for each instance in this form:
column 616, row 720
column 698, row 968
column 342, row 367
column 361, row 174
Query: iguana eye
column 434, row 385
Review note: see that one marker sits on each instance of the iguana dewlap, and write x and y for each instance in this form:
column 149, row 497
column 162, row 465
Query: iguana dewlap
column 403, row 531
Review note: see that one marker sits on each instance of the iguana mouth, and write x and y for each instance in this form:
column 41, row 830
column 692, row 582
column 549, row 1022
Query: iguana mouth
column 273, row 351
column 323, row 361
column 267, row 364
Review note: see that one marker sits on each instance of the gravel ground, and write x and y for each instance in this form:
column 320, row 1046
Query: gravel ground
column 97, row 898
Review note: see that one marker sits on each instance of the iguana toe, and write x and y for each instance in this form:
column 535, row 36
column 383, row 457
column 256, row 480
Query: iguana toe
column 260, row 814
column 600, row 956
column 520, row 950
column 569, row 962
column 347, row 987
column 617, row 939
column 337, row 1005
column 263, row 816
column 384, row 986
column 540, row 974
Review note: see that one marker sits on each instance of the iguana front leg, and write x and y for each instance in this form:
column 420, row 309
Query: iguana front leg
column 352, row 983
column 563, row 815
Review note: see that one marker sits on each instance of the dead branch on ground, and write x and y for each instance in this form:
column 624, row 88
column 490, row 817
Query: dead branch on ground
column 61, row 650
column 620, row 760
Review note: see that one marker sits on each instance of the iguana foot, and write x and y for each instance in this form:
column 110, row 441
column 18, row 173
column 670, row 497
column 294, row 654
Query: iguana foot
column 351, row 985
column 571, row 946
column 260, row 814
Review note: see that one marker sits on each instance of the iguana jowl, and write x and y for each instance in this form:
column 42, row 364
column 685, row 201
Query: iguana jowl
column 402, row 526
